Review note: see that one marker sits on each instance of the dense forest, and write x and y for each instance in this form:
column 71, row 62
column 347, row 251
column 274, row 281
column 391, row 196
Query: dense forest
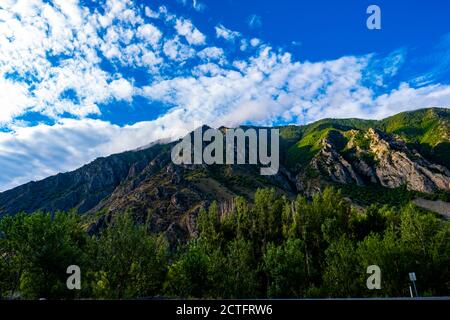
column 269, row 247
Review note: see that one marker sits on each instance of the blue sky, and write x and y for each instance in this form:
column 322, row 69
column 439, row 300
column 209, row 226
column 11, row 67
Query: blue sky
column 82, row 79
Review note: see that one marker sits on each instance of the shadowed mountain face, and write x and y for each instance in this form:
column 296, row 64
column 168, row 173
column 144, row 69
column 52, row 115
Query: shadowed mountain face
column 367, row 159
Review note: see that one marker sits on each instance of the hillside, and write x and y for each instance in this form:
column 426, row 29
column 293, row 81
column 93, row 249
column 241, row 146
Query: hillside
column 389, row 161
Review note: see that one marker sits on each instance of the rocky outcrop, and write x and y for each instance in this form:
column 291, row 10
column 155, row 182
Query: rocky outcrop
column 392, row 164
column 397, row 165
column 330, row 162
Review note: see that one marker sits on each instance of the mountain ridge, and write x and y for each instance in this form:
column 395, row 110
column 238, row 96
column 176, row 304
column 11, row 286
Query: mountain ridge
column 352, row 154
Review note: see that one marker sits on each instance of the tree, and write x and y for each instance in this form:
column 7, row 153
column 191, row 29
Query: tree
column 241, row 270
column 188, row 276
column 392, row 257
column 208, row 224
column 128, row 263
column 285, row 266
column 266, row 216
column 37, row 249
column 425, row 240
column 271, row 247
column 342, row 273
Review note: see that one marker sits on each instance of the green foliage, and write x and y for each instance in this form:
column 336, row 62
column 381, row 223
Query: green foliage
column 269, row 247
column 341, row 274
column 127, row 262
column 305, row 149
column 188, row 276
column 423, row 126
column 379, row 195
column 241, row 276
column 286, row 269
column 35, row 252
column 362, row 140
column 427, row 130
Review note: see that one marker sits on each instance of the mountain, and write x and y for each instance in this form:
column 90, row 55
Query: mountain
column 401, row 157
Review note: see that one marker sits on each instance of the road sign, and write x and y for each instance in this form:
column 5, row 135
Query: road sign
column 412, row 276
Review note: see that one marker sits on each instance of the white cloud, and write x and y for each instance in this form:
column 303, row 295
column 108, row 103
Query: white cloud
column 208, row 69
column 255, row 42
column 186, row 29
column 48, row 48
column 270, row 87
column 176, row 50
column 149, row 33
column 196, row 5
column 14, row 99
column 265, row 88
column 121, row 89
column 227, row 34
column 212, row 53
column 36, row 152
column 244, row 45
column 407, row 98
column 151, row 14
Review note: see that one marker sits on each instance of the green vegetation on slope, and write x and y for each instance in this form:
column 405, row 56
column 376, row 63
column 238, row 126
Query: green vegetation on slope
column 421, row 126
column 305, row 149
column 426, row 130
column 272, row 247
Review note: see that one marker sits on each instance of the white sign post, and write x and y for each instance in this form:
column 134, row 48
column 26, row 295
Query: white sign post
column 412, row 277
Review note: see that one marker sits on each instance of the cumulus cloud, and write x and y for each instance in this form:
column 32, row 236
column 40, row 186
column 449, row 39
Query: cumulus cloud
column 186, row 29
column 271, row 88
column 407, row 98
column 50, row 48
column 255, row 42
column 160, row 13
column 176, row 50
column 212, row 53
column 14, row 99
column 149, row 33
column 265, row 88
column 121, row 89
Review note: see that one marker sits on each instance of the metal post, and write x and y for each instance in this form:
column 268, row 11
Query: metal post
column 415, row 289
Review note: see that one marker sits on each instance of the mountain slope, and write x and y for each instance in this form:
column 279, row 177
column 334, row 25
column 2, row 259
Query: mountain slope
column 427, row 130
column 363, row 157
column 80, row 189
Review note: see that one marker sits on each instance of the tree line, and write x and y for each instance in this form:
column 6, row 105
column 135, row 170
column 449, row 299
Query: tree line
column 270, row 246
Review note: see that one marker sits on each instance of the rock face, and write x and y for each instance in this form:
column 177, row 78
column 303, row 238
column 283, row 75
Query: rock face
column 392, row 164
column 81, row 189
column 169, row 197
column 397, row 165
column 331, row 163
